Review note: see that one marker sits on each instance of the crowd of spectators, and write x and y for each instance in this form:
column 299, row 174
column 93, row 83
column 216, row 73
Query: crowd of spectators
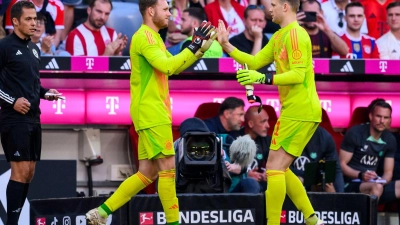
column 337, row 29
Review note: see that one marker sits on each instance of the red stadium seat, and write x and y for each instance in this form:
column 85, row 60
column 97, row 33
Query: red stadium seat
column 207, row 110
column 359, row 116
column 272, row 118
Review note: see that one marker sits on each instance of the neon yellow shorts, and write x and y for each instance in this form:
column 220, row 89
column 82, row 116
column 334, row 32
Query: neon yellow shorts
column 292, row 135
column 155, row 140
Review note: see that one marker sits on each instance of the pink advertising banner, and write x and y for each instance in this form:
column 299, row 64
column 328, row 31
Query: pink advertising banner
column 112, row 107
column 377, row 66
column 108, row 107
column 71, row 110
column 321, row 66
column 363, row 100
column 89, row 64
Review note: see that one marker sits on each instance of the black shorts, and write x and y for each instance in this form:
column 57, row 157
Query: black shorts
column 21, row 141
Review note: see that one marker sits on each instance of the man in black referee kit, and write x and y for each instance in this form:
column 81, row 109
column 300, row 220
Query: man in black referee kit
column 20, row 93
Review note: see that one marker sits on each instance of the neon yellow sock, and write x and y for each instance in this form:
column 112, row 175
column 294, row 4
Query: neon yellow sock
column 167, row 194
column 127, row 190
column 275, row 195
column 296, row 192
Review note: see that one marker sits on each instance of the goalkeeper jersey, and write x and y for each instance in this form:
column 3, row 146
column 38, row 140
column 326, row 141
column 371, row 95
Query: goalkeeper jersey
column 151, row 65
column 291, row 49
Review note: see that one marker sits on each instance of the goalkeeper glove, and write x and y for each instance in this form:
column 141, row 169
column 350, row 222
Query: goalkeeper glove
column 203, row 36
column 249, row 77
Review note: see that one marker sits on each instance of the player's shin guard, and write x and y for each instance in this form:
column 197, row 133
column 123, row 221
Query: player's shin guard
column 275, row 195
column 296, row 192
column 126, row 191
column 167, row 193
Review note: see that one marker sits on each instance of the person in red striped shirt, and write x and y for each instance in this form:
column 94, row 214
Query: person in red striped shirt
column 106, row 40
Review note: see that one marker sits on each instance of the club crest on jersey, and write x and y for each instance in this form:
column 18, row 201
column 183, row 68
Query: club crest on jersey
column 367, row 49
column 35, row 53
column 356, row 47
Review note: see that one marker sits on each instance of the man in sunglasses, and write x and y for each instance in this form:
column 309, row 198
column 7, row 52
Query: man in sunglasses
column 252, row 39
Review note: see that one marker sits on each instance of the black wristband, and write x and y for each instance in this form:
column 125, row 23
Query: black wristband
column 269, row 78
column 361, row 175
column 193, row 47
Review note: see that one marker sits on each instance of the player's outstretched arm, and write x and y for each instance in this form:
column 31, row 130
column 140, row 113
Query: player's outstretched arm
column 262, row 58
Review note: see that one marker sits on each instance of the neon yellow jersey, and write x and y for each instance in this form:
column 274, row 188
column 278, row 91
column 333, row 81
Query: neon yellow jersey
column 290, row 48
column 151, row 65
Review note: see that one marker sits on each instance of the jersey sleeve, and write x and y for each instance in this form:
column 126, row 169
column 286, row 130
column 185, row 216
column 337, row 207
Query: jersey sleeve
column 349, row 140
column 74, row 45
column 164, row 63
column 391, row 145
column 59, row 20
column 262, row 58
column 3, row 61
column 382, row 49
column 297, row 45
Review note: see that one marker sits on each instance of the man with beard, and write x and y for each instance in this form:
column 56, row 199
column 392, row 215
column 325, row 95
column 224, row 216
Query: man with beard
column 150, row 109
column 368, row 149
column 360, row 46
column 106, row 41
column 323, row 39
column 191, row 18
column 229, row 119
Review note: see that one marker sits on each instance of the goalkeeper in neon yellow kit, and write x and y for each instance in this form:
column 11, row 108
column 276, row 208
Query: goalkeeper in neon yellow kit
column 151, row 109
column 290, row 48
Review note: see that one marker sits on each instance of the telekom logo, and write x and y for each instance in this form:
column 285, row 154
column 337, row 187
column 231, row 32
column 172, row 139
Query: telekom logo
column 89, row 63
column 59, row 105
column 237, row 65
column 218, row 100
column 383, row 66
column 274, row 103
column 326, row 104
column 112, row 103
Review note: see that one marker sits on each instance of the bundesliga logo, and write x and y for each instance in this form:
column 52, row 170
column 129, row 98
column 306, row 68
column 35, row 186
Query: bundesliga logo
column 146, row 218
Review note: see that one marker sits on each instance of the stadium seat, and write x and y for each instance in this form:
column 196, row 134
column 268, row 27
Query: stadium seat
column 207, row 110
column 272, row 118
column 125, row 18
column 327, row 125
column 359, row 116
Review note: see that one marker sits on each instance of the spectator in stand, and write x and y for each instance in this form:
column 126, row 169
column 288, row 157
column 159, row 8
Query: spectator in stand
column 69, row 7
column 229, row 118
column 54, row 12
column 334, row 12
column 93, row 38
column 256, row 126
column 360, row 46
column 252, row 39
column 388, row 44
column 46, row 42
column 324, row 41
column 191, row 18
column 375, row 14
column 174, row 35
column 230, row 12
column 320, row 147
column 363, row 148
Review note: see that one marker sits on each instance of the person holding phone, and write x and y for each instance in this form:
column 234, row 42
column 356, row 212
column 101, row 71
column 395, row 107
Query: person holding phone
column 324, row 41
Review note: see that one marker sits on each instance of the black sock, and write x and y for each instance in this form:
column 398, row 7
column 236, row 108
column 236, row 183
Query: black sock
column 14, row 193
column 26, row 188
